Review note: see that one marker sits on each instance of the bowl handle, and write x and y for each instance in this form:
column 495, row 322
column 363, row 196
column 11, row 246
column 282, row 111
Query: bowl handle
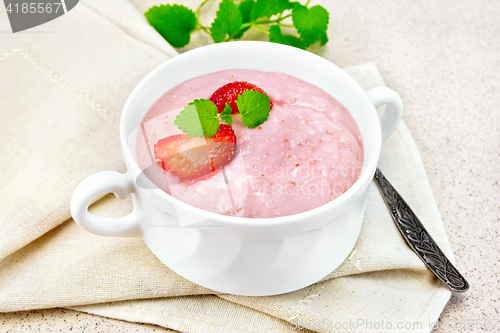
column 393, row 112
column 102, row 183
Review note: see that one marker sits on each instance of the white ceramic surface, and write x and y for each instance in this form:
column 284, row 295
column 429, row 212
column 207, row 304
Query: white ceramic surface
column 240, row 255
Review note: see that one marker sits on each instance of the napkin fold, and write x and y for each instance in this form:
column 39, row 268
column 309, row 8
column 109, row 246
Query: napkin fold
column 62, row 92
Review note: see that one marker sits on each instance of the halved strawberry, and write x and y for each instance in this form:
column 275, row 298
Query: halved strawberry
column 229, row 93
column 189, row 157
column 222, row 147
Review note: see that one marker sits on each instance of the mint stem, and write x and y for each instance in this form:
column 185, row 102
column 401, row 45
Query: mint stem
column 198, row 23
column 232, row 115
column 279, row 19
column 206, row 29
column 253, row 23
column 260, row 28
column 199, row 7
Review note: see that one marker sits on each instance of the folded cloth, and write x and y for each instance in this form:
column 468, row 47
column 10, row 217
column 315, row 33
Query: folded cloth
column 61, row 94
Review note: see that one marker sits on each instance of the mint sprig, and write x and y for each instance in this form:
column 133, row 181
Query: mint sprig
column 201, row 118
column 234, row 18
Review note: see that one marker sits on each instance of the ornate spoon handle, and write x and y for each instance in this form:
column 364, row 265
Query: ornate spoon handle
column 418, row 238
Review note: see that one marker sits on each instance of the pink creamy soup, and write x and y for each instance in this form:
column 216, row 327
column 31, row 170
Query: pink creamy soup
column 306, row 154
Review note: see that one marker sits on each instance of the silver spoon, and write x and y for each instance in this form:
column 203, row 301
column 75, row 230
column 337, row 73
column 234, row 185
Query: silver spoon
column 418, row 238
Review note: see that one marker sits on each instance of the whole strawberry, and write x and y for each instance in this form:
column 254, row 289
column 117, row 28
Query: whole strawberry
column 229, row 93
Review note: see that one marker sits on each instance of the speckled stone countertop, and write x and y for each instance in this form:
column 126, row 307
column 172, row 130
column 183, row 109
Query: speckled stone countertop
column 443, row 57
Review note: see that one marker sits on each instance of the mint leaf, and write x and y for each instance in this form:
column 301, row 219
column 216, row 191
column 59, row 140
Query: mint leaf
column 198, row 119
column 225, row 115
column 276, row 36
column 227, row 22
column 254, row 107
column 175, row 23
column 268, row 8
column 245, row 8
column 311, row 23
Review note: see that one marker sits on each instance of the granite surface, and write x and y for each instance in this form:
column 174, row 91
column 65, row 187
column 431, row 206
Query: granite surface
column 443, row 57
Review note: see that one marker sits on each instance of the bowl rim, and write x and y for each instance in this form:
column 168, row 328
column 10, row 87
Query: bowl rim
column 360, row 186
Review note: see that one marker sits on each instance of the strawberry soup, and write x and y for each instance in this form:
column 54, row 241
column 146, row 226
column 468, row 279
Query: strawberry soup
column 307, row 153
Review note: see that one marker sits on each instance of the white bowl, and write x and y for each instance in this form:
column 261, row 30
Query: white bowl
column 259, row 256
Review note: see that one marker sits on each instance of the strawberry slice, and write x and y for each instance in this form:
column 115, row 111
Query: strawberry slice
column 188, row 157
column 229, row 93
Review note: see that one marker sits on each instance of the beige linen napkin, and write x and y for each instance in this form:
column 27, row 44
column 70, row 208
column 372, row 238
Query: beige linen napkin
column 61, row 94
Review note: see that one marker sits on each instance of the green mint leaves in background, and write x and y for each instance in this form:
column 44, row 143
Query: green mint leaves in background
column 233, row 18
column 175, row 23
column 228, row 22
column 311, row 23
column 200, row 118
